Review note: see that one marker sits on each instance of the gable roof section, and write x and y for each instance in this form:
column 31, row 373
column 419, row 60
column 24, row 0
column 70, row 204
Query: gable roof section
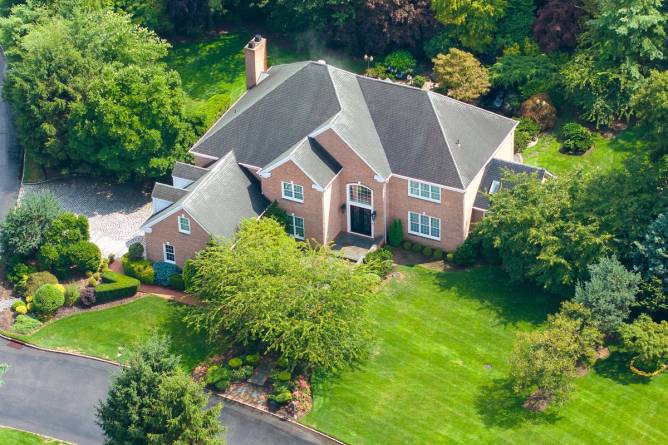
column 188, row 171
column 219, row 200
column 167, row 192
column 494, row 172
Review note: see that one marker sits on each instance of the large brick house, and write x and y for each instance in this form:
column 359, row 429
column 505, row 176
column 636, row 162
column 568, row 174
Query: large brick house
column 343, row 154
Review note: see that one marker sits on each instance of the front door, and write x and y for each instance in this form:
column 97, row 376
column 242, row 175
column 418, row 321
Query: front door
column 360, row 220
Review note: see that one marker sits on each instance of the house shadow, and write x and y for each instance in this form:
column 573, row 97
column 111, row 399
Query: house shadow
column 498, row 406
column 616, row 368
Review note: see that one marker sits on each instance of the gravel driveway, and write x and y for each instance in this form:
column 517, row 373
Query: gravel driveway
column 115, row 212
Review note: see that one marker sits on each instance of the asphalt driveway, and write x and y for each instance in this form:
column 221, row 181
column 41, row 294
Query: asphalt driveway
column 56, row 395
column 10, row 156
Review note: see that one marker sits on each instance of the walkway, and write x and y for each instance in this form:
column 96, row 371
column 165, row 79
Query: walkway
column 56, row 395
column 10, row 156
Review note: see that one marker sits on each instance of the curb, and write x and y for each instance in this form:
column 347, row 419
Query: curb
column 284, row 419
column 228, row 399
column 37, row 434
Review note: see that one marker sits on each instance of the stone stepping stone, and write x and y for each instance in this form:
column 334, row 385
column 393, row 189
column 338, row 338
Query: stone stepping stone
column 262, row 373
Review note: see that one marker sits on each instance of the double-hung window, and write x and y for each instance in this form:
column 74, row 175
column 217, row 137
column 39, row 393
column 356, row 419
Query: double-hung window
column 292, row 191
column 296, row 226
column 424, row 225
column 423, row 190
column 170, row 254
column 184, row 225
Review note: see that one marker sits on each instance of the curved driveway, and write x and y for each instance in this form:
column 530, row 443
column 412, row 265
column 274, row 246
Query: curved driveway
column 10, row 157
column 55, row 395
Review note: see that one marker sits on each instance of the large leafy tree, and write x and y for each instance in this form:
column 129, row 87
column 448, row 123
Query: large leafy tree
column 151, row 401
column 299, row 301
column 461, row 75
column 90, row 91
column 609, row 293
column 558, row 25
column 650, row 103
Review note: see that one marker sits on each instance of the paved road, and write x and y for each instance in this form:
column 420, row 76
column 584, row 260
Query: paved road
column 56, row 395
column 10, row 157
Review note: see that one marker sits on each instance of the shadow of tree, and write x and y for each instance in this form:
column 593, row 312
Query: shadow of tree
column 499, row 406
column 616, row 367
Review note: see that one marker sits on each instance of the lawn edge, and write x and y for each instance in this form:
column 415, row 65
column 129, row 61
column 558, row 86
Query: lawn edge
column 43, row 436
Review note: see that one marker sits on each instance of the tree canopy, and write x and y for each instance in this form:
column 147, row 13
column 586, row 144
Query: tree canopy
column 461, row 75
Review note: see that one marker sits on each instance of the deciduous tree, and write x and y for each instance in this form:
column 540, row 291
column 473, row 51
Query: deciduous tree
column 558, row 25
column 650, row 103
column 648, row 341
column 461, row 75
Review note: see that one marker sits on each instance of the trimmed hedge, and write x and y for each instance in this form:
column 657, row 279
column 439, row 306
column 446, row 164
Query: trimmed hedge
column 115, row 286
column 139, row 269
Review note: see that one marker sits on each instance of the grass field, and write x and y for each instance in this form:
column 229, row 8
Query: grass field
column 213, row 73
column 427, row 379
column 607, row 152
column 13, row 437
column 111, row 333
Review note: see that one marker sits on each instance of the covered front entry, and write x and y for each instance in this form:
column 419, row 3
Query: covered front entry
column 360, row 210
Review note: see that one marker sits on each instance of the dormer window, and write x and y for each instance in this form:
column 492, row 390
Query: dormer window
column 424, row 190
column 496, row 185
column 184, row 225
column 292, row 191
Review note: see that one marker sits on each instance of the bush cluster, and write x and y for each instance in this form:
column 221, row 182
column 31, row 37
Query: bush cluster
column 164, row 271
column 37, row 280
column 575, row 139
column 71, row 295
column 25, row 325
column 115, row 286
column 380, row 261
column 400, row 63
column 526, row 130
column 136, row 251
column 139, row 269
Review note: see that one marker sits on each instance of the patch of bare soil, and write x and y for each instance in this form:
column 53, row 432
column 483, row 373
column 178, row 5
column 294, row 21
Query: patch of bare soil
column 537, row 402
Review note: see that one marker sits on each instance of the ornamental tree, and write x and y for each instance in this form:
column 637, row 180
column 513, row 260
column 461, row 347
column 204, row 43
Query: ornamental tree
column 609, row 293
column 300, row 301
column 558, row 24
column 461, row 75
column 648, row 341
column 651, row 252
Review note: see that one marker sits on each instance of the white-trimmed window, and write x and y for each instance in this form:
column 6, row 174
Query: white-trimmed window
column 496, row 185
column 292, row 191
column 184, row 225
column 170, row 253
column 359, row 194
column 423, row 190
column 424, row 225
column 296, row 226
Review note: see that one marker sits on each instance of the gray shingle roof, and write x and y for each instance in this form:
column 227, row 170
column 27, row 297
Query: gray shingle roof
column 167, row 192
column 314, row 160
column 219, row 200
column 494, row 172
column 188, row 171
column 394, row 128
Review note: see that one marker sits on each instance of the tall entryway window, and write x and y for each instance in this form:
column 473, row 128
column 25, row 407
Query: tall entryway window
column 360, row 209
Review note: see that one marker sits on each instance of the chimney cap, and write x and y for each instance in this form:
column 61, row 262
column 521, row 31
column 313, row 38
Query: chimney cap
column 257, row 37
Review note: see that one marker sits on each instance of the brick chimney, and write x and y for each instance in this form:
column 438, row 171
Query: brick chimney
column 255, row 54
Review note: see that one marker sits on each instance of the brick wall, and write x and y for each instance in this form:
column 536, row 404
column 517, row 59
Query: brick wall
column 167, row 231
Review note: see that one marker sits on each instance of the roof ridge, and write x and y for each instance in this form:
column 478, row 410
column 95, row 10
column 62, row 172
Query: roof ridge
column 446, row 97
column 447, row 145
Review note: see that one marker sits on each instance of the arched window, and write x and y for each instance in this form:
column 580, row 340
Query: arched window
column 359, row 195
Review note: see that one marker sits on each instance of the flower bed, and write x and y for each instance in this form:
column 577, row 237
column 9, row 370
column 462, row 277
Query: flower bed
column 642, row 373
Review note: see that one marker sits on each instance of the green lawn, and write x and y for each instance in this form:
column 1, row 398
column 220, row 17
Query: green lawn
column 111, row 333
column 212, row 70
column 426, row 380
column 607, row 152
column 14, row 437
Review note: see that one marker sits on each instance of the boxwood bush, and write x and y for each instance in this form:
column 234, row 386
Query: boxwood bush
column 575, row 138
column 139, row 269
column 115, row 286
column 164, row 271
column 48, row 299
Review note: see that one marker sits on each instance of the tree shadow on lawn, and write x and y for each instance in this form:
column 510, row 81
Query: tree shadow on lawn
column 616, row 367
column 499, row 406
column 491, row 286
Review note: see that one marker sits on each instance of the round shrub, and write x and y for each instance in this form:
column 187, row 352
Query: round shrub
column 25, row 325
column 85, row 256
column 252, row 359
column 48, row 299
column 427, row 251
column 281, row 398
column 235, row 363
column 37, row 280
column 136, row 251
column 92, row 281
column 60, row 287
column 163, row 272
column 87, row 296
column 575, row 139
column 222, row 385
column 284, row 376
column 400, row 63
column 71, row 295
column 416, row 248
column 407, row 245
column 242, row 373
column 419, row 81
column 526, row 130
column 217, row 373
column 176, row 282
column 437, row 254
column 539, row 108
column 22, row 310
column 17, row 304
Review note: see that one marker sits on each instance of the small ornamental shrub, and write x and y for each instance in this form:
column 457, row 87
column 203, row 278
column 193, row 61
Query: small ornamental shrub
column 217, row 373
column 400, row 63
column 97, row 275
column 17, row 304
column 252, row 359
column 427, row 251
column 380, row 262
column 115, row 286
column 241, row 374
column 139, row 269
column 222, row 385
column 396, row 233
column 283, row 376
column 539, row 108
column 60, row 287
column 176, row 282
column 575, row 139
column 17, row 272
column 25, row 325
column 407, row 245
column 283, row 363
column 22, row 310
column 92, row 281
column 450, row 256
column 87, row 297
column 379, row 72
column 526, row 130
column 416, row 248
column 419, row 81
column 71, row 295
column 48, row 299
column 466, row 254
column 281, row 398
column 84, row 256
column 37, row 280
column 164, row 271
column 235, row 363
column 136, row 252
column 437, row 254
